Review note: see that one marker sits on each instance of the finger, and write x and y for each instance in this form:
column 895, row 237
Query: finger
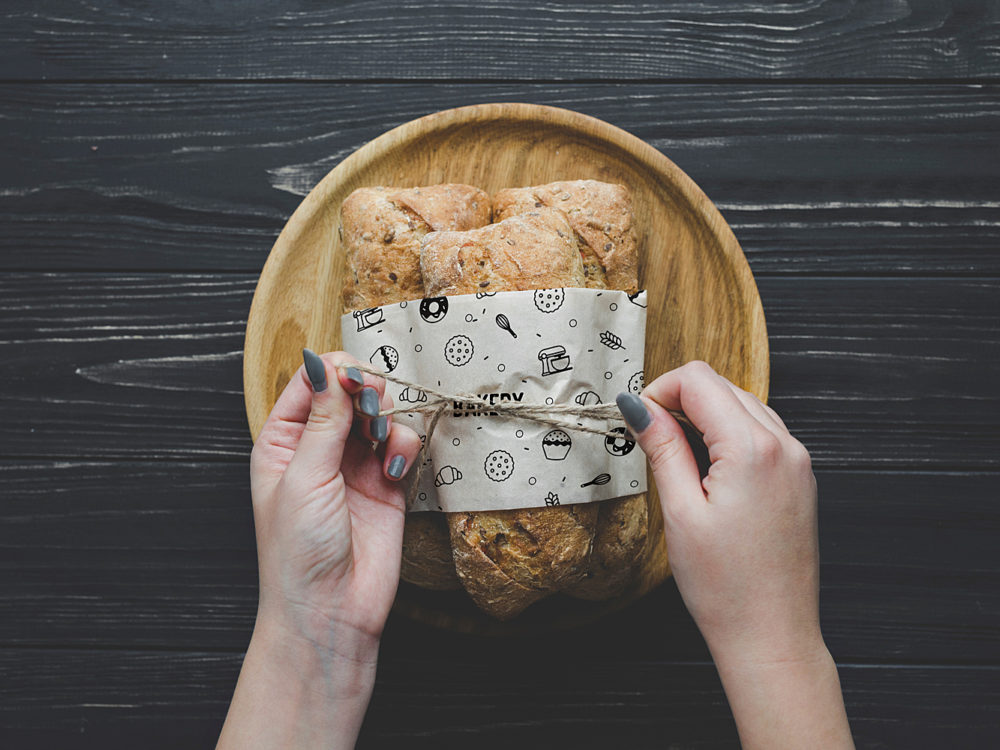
column 662, row 439
column 331, row 413
column 759, row 411
column 703, row 396
column 379, row 428
column 401, row 451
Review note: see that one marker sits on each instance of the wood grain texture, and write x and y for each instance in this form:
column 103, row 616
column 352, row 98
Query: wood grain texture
column 877, row 372
column 500, row 39
column 97, row 699
column 162, row 555
column 812, row 178
column 703, row 302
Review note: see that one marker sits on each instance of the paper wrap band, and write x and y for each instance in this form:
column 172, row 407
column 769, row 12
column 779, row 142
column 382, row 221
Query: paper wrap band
column 539, row 346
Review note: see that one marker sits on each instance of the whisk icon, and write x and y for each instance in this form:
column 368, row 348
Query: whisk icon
column 504, row 323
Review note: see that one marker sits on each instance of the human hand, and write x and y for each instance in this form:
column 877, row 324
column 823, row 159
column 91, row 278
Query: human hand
column 329, row 517
column 743, row 548
column 742, row 542
column 328, row 508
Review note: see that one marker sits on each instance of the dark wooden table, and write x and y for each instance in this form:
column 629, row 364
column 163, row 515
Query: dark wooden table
column 150, row 154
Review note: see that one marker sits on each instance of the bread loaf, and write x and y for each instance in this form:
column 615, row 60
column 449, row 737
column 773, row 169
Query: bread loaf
column 509, row 559
column 601, row 216
column 381, row 229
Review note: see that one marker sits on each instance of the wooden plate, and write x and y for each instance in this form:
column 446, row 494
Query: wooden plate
column 703, row 302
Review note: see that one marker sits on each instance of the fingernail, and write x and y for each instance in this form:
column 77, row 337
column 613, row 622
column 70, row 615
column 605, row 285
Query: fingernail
column 636, row 414
column 315, row 370
column 380, row 428
column 396, row 466
column 354, row 375
column 368, row 401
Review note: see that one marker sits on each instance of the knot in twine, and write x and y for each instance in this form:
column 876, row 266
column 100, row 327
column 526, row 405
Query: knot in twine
column 438, row 402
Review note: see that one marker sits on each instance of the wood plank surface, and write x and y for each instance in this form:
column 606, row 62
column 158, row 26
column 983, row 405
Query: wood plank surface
column 499, row 39
column 96, row 699
column 813, row 179
column 867, row 371
column 162, row 555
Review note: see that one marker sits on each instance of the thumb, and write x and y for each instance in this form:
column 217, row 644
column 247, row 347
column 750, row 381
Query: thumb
column 331, row 413
column 662, row 439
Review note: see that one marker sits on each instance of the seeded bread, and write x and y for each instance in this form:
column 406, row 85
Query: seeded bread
column 381, row 229
column 601, row 216
column 511, row 558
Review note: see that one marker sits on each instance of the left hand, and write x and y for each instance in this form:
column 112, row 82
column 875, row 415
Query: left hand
column 328, row 507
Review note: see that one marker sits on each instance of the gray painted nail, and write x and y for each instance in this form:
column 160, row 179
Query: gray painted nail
column 380, row 428
column 396, row 466
column 354, row 374
column 315, row 370
column 636, row 414
column 368, row 401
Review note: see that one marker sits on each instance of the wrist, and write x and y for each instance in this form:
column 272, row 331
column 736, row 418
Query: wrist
column 334, row 656
column 295, row 692
column 794, row 701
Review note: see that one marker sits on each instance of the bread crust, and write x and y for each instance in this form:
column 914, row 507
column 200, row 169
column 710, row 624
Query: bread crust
column 381, row 229
column 534, row 250
column 622, row 529
column 427, row 560
column 601, row 216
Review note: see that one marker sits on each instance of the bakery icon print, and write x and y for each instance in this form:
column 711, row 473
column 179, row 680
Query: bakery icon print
column 588, row 398
column 499, row 465
column 458, row 351
column 552, row 499
column 636, row 383
column 633, row 298
column 368, row 318
column 554, row 360
column 620, row 445
column 549, row 300
column 611, row 341
column 598, row 480
column 447, row 475
column 556, row 445
column 385, row 357
column 503, row 322
column 433, row 309
column 412, row 395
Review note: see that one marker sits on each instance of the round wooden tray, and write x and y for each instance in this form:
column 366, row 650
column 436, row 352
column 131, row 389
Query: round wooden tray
column 703, row 302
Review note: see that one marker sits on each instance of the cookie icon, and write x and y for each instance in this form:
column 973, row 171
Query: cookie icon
column 549, row 300
column 499, row 465
column 556, row 445
column 621, row 445
column 433, row 309
column 385, row 357
column 636, row 383
column 458, row 351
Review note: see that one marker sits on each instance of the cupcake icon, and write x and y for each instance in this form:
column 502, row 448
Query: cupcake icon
column 556, row 445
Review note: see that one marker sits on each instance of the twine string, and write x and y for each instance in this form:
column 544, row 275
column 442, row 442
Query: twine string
column 438, row 402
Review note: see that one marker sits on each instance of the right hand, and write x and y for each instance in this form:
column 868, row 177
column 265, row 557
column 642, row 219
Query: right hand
column 742, row 542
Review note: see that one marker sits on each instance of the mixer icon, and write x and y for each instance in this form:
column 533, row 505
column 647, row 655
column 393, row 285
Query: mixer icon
column 368, row 318
column 554, row 360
